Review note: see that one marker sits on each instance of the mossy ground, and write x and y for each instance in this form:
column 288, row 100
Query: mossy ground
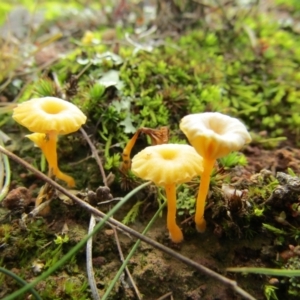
column 235, row 59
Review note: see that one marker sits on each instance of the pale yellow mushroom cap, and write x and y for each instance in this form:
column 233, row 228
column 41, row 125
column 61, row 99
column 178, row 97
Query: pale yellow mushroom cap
column 49, row 114
column 213, row 134
column 167, row 164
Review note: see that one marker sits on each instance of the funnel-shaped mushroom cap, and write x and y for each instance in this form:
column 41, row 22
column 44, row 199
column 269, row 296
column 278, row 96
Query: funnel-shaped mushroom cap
column 167, row 164
column 49, row 114
column 213, row 134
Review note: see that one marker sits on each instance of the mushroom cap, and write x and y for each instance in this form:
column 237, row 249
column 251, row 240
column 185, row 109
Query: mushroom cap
column 213, row 134
column 167, row 164
column 49, row 114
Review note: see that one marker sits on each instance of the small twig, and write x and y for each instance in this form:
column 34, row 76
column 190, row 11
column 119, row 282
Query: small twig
column 89, row 245
column 38, row 69
column 80, row 161
column 109, row 201
column 6, row 83
column 83, row 70
column 131, row 253
column 148, row 32
column 138, row 294
column 95, row 155
column 39, row 208
column 165, row 296
column 231, row 283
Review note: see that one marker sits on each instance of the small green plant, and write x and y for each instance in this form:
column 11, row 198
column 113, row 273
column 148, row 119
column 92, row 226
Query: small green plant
column 96, row 93
column 54, row 253
column 5, row 233
column 45, row 87
column 233, row 159
column 291, row 172
column 270, row 292
column 295, row 233
column 133, row 213
column 186, row 201
column 112, row 161
column 258, row 212
column 263, row 187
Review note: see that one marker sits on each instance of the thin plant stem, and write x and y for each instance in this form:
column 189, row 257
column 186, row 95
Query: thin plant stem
column 130, row 254
column 231, row 283
column 84, row 69
column 138, row 294
column 20, row 281
column 4, row 162
column 165, row 296
column 39, row 208
column 107, row 145
column 95, row 155
column 77, row 247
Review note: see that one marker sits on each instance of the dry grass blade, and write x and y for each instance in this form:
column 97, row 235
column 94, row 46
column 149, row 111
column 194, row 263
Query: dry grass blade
column 138, row 294
column 95, row 155
column 165, row 296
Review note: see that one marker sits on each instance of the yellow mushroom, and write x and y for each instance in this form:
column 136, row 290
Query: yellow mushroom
column 167, row 165
column 213, row 135
column 40, row 140
column 49, row 117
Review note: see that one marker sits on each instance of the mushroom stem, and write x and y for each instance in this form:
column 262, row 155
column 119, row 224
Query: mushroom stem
column 48, row 147
column 174, row 230
column 208, row 165
column 126, row 164
column 49, row 150
column 66, row 178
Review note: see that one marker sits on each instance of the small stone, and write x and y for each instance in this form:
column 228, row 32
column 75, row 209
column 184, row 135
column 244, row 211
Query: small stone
column 274, row 281
column 17, row 198
column 109, row 232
